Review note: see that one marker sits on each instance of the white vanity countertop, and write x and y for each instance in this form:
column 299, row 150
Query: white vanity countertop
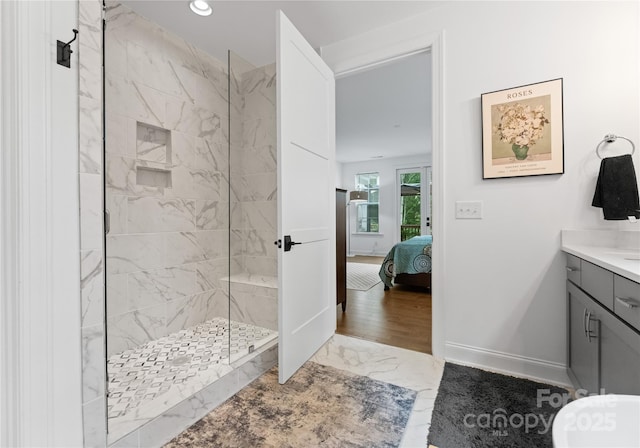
column 616, row 251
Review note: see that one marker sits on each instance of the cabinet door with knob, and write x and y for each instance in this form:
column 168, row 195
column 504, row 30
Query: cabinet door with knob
column 583, row 333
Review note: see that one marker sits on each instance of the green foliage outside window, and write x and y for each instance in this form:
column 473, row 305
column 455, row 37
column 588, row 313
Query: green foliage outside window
column 410, row 203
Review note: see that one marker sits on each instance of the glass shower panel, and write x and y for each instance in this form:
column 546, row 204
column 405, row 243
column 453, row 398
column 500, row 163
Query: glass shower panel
column 167, row 195
column 253, row 256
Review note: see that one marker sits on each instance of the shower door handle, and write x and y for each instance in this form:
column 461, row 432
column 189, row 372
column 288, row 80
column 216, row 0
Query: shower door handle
column 107, row 222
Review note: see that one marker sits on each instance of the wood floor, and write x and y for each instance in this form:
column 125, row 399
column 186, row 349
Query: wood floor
column 400, row 317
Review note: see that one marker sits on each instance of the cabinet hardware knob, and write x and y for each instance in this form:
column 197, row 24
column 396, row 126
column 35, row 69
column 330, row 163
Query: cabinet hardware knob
column 629, row 303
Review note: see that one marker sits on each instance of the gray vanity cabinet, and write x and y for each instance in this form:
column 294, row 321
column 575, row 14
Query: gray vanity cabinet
column 602, row 341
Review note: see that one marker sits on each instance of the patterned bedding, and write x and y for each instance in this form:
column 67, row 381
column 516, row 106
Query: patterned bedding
column 408, row 257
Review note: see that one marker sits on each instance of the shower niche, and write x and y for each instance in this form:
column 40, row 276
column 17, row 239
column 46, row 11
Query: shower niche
column 190, row 188
column 153, row 147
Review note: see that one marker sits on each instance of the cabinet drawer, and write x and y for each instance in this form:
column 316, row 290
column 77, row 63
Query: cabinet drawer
column 573, row 269
column 597, row 282
column 626, row 302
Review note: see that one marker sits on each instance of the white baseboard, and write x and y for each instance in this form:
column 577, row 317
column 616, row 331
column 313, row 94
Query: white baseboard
column 368, row 254
column 520, row 366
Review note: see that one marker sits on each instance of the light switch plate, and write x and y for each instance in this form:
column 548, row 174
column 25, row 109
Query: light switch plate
column 468, row 209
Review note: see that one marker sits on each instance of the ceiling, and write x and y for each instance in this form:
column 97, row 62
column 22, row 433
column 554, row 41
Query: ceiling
column 380, row 112
column 385, row 112
column 248, row 27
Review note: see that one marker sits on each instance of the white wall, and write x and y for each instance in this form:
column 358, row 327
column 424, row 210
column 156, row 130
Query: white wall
column 381, row 243
column 504, row 282
column 40, row 346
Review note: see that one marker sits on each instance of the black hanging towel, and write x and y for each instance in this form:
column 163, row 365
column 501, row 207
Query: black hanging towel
column 617, row 188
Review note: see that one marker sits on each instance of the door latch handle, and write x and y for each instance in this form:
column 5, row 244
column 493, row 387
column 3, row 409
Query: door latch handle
column 288, row 243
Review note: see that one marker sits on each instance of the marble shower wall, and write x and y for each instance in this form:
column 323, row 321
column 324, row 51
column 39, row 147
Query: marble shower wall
column 166, row 182
column 253, row 193
column 253, row 168
column 259, row 170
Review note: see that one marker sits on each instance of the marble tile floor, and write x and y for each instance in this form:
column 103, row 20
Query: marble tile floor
column 146, row 381
column 406, row 368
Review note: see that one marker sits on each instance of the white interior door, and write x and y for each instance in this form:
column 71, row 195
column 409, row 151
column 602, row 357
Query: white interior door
column 306, row 199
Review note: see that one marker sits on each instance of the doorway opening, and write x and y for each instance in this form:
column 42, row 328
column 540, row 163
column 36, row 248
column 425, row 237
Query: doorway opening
column 383, row 126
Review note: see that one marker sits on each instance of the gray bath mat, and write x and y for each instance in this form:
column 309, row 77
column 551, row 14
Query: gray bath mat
column 318, row 407
column 477, row 409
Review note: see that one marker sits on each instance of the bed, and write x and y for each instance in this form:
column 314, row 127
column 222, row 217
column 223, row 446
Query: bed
column 408, row 262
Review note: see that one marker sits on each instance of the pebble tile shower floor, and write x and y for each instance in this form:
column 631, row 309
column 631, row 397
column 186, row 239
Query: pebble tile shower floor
column 141, row 374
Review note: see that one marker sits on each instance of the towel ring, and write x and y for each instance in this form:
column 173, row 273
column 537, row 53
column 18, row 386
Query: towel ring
column 610, row 138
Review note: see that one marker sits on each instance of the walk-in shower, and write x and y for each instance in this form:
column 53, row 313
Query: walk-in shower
column 190, row 182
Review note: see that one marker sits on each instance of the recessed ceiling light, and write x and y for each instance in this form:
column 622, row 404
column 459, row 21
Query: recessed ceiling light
column 200, row 7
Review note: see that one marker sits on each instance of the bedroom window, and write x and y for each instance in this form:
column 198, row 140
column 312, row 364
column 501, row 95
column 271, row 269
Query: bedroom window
column 367, row 213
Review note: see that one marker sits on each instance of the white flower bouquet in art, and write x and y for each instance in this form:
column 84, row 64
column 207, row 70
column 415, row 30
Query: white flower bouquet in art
column 521, row 126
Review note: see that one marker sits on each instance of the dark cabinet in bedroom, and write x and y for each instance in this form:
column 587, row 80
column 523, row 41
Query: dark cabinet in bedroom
column 341, row 247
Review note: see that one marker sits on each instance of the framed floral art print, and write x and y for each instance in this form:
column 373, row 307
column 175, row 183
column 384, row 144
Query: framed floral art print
column 522, row 131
